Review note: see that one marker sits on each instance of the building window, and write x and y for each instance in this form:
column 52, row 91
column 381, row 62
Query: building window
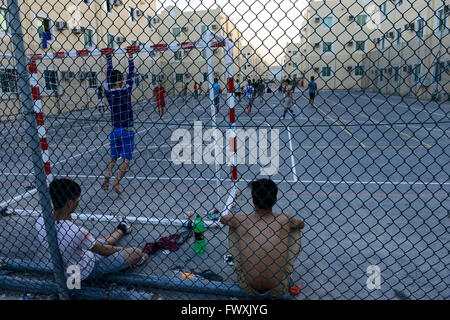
column 176, row 32
column 383, row 9
column 150, row 23
column 416, row 73
column 360, row 45
column 396, row 74
column 107, row 6
column 439, row 68
column 383, row 43
column 177, row 55
column 133, row 14
column 420, row 28
column 361, row 20
column 51, row 80
column 3, row 21
column 8, row 80
column 359, row 71
column 327, row 47
column 44, row 25
column 441, row 20
column 328, row 22
column 88, row 38
column 203, row 29
column 381, row 75
column 178, row 77
column 92, row 80
column 154, row 79
column 326, row 71
column 398, row 36
column 110, row 41
column 138, row 79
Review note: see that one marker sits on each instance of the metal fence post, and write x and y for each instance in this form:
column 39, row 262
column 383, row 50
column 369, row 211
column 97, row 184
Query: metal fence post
column 32, row 133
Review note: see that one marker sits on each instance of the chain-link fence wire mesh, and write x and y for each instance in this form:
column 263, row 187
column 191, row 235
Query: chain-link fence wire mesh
column 362, row 160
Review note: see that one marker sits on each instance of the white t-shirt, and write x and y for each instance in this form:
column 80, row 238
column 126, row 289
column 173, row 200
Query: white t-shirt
column 74, row 243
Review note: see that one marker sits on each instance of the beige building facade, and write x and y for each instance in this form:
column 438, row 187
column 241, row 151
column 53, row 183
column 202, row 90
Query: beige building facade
column 70, row 83
column 395, row 47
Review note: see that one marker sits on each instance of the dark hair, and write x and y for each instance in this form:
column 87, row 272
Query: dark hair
column 63, row 190
column 264, row 193
column 312, row 77
column 288, row 81
column 115, row 77
column 215, row 80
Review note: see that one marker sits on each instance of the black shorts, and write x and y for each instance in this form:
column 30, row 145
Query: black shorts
column 312, row 95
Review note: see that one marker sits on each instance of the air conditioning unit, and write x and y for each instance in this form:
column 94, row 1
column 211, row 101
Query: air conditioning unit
column 351, row 18
column 409, row 26
column 317, row 19
column 77, row 30
column 139, row 13
column 156, row 20
column 61, row 25
column 118, row 3
column 120, row 39
column 350, row 43
column 81, row 76
column 349, row 68
column 214, row 27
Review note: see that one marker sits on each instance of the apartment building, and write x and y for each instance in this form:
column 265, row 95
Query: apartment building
column 411, row 55
column 395, row 46
column 70, row 83
column 188, row 66
column 253, row 66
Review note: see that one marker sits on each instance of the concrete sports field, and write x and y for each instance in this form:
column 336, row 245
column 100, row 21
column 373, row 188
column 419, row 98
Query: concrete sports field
column 368, row 174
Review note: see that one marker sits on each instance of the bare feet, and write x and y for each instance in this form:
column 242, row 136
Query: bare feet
column 116, row 187
column 105, row 185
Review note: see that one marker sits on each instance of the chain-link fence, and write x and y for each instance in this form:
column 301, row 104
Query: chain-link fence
column 146, row 132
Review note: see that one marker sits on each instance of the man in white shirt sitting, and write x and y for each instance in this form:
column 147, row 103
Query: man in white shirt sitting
column 94, row 257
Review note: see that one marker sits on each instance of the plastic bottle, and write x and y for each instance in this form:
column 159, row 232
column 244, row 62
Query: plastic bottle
column 199, row 229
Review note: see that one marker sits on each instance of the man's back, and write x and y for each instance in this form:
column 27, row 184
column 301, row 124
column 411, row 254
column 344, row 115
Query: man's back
column 264, row 247
column 312, row 87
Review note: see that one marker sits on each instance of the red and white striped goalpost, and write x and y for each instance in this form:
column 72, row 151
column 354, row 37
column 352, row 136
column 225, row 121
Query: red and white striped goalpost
column 217, row 42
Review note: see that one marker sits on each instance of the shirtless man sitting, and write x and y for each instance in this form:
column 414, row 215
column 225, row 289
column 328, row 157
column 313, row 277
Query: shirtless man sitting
column 264, row 243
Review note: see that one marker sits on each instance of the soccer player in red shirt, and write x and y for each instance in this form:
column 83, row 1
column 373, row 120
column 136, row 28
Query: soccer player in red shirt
column 159, row 93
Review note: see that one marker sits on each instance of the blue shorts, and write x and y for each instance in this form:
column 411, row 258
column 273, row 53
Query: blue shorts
column 105, row 265
column 121, row 142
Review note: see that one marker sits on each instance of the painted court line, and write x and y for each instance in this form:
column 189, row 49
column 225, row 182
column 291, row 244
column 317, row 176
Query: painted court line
column 294, row 169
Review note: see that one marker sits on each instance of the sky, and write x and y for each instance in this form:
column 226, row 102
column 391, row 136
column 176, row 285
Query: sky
column 267, row 25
